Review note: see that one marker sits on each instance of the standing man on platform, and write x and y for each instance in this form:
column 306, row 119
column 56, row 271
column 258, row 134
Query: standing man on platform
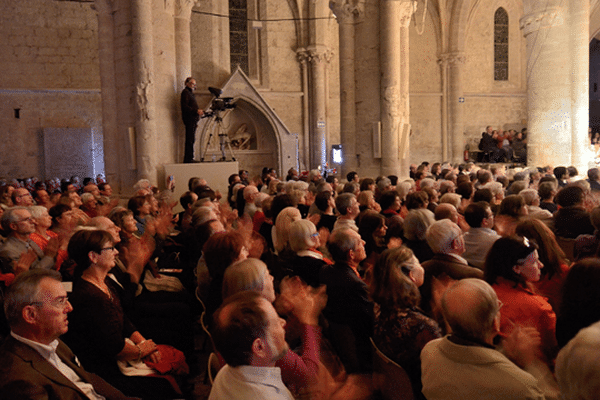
column 190, row 114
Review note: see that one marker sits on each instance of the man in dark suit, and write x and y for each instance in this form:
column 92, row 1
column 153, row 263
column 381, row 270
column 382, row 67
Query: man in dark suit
column 447, row 242
column 349, row 310
column 34, row 363
column 594, row 179
column 190, row 113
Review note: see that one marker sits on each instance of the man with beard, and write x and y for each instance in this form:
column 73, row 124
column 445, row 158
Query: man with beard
column 250, row 336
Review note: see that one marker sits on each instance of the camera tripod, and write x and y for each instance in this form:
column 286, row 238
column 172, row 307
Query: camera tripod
column 223, row 140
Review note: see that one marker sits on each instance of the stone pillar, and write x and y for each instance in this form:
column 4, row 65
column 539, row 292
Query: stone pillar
column 395, row 16
column 302, row 56
column 144, row 87
column 579, row 12
column 456, row 61
column 183, row 51
column 106, row 56
column 346, row 13
column 443, row 63
column 548, row 83
column 319, row 56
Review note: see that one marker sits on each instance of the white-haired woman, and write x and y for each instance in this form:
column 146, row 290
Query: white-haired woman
column 308, row 260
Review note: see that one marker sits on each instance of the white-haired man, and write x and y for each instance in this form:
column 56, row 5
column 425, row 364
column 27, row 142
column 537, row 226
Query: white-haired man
column 465, row 364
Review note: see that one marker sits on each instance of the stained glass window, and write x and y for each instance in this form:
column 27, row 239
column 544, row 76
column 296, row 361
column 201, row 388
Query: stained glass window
column 501, row 45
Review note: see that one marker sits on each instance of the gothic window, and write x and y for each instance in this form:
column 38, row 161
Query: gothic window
column 501, row 45
column 238, row 34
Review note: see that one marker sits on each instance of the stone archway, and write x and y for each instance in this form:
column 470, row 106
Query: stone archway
column 257, row 135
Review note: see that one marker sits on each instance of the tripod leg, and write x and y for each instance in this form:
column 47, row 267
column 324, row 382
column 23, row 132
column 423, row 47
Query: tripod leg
column 230, row 149
column 206, row 148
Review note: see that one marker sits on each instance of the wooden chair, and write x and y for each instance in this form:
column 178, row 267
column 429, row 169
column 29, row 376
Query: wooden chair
column 389, row 378
column 214, row 365
column 567, row 245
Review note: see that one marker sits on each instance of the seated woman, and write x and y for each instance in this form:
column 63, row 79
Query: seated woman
column 308, row 260
column 552, row 257
column 511, row 267
column 415, row 225
column 372, row 229
column 99, row 332
column 580, row 306
column 141, row 208
column 220, row 251
column 43, row 235
column 511, row 210
column 401, row 329
column 303, row 302
column 366, row 199
column 390, row 203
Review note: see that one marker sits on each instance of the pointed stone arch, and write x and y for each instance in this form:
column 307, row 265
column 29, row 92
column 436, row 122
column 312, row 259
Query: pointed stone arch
column 258, row 136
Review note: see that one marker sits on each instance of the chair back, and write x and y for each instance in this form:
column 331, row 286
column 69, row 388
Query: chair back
column 389, row 378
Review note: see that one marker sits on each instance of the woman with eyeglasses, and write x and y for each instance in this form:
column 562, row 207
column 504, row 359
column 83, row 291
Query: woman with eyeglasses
column 307, row 260
column 512, row 267
column 99, row 331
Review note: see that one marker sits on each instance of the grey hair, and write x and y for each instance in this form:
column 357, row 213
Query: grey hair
column 416, row 223
column 25, row 291
column 441, row 234
column 10, row 217
column 37, row 211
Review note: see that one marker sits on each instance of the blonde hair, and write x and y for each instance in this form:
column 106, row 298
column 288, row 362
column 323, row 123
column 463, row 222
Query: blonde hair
column 301, row 235
column 282, row 226
column 248, row 274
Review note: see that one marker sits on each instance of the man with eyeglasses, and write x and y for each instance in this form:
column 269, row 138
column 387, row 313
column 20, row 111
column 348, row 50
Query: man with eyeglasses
column 22, row 197
column 34, row 362
column 19, row 253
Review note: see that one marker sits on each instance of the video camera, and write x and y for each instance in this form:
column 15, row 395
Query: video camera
column 219, row 103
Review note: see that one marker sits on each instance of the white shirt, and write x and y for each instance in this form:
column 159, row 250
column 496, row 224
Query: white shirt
column 249, row 383
column 49, row 354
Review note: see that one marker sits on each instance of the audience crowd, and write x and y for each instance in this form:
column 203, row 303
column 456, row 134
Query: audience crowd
column 473, row 281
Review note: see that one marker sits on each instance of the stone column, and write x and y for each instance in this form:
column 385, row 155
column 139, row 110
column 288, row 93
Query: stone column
column 548, row 83
column 143, row 70
column 456, row 61
column 106, row 56
column 395, row 16
column 183, row 51
column 302, row 56
column 346, row 12
column 443, row 63
column 319, row 56
column 579, row 13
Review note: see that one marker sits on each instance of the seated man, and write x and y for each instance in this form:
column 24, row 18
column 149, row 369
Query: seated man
column 34, row 363
column 446, row 240
column 250, row 336
column 349, row 310
column 348, row 207
column 577, row 369
column 19, row 253
column 465, row 364
column 480, row 237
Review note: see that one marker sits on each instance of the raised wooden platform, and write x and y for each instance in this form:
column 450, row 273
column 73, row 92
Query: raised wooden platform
column 215, row 173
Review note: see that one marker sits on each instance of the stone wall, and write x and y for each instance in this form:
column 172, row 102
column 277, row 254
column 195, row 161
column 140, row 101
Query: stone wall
column 425, row 92
column 50, row 71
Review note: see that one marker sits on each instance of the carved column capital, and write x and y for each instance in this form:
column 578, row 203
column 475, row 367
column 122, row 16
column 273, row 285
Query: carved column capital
column 552, row 16
column 347, row 10
column 318, row 54
column 183, row 8
column 407, row 9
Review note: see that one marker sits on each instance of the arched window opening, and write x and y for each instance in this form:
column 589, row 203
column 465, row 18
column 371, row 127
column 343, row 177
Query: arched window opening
column 501, row 45
column 238, row 34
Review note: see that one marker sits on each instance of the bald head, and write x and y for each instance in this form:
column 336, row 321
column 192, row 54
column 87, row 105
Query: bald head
column 470, row 307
